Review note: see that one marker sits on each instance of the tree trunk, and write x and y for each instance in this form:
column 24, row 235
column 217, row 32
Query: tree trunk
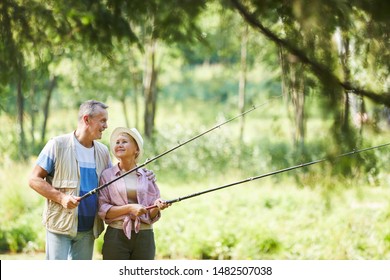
column 293, row 87
column 344, row 57
column 33, row 112
column 298, row 101
column 135, row 101
column 150, row 91
column 122, row 99
column 52, row 85
column 20, row 105
column 137, row 87
column 242, row 81
column 354, row 104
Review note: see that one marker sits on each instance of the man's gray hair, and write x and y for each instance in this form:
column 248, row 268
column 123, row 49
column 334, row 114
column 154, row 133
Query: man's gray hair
column 89, row 108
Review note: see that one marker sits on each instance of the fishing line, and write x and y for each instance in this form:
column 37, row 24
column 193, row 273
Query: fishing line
column 174, row 148
column 270, row 174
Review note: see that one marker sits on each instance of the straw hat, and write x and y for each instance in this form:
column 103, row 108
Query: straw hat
column 133, row 132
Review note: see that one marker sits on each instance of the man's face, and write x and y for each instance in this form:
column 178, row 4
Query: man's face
column 98, row 123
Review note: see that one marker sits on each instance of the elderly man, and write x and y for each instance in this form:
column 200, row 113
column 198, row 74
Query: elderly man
column 68, row 167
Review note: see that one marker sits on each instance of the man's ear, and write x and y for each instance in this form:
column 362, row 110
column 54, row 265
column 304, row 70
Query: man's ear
column 86, row 119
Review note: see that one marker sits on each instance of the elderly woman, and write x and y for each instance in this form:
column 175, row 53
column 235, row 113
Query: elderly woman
column 122, row 204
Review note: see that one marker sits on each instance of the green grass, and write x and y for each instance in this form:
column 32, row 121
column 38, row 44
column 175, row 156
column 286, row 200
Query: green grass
column 303, row 214
column 267, row 221
column 263, row 219
column 23, row 256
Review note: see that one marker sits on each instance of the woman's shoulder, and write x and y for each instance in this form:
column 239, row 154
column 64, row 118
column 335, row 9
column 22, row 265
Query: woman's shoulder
column 110, row 170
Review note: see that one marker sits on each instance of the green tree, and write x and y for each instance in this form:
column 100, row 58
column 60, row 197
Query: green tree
column 302, row 31
column 33, row 32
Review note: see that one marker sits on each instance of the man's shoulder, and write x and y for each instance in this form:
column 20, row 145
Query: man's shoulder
column 63, row 137
column 101, row 146
column 59, row 140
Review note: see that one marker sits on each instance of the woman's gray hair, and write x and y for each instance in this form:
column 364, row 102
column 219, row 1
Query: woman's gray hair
column 89, row 108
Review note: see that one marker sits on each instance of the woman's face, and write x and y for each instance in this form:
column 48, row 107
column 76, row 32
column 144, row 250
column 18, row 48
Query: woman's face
column 125, row 147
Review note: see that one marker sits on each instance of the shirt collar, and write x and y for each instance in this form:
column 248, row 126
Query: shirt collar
column 117, row 170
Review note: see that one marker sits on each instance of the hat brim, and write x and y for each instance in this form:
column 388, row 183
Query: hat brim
column 135, row 135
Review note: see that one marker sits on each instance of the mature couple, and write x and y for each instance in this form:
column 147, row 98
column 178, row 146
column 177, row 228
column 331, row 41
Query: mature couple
column 73, row 164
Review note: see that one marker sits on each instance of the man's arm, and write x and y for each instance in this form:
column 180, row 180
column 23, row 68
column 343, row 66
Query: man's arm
column 38, row 183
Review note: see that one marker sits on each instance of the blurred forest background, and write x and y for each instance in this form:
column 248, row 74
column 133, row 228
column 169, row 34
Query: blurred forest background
column 315, row 72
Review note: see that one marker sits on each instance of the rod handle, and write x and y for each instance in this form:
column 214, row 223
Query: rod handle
column 151, row 207
column 166, row 201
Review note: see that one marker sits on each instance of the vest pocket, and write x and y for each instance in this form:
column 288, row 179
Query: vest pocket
column 59, row 218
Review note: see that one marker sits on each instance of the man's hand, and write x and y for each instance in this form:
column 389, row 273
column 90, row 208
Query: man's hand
column 151, row 176
column 70, row 202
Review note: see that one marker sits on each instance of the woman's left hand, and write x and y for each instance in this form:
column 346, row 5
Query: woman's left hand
column 161, row 204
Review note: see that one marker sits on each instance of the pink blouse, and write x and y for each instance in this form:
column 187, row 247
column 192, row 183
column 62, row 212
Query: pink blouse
column 115, row 195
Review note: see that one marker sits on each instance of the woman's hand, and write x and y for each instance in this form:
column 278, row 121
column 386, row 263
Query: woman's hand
column 137, row 209
column 161, row 204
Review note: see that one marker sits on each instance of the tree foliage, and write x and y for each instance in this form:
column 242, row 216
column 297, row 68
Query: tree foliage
column 40, row 39
column 361, row 19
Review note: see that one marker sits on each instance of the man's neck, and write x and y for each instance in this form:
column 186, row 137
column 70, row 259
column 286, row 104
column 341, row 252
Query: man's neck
column 83, row 139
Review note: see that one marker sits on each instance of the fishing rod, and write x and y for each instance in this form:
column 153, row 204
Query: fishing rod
column 172, row 149
column 269, row 174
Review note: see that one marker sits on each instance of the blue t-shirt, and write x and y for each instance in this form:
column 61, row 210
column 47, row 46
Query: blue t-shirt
column 88, row 180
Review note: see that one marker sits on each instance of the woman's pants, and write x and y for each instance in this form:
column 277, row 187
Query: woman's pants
column 117, row 246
